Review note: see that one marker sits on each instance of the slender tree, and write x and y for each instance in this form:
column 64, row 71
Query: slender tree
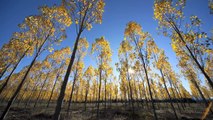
column 125, row 52
column 101, row 49
column 89, row 76
column 134, row 34
column 84, row 13
column 43, row 32
column 78, row 66
column 164, row 67
column 187, row 40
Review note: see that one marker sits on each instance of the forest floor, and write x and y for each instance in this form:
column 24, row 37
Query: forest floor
column 117, row 111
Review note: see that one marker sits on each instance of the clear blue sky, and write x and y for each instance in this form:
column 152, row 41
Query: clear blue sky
column 117, row 14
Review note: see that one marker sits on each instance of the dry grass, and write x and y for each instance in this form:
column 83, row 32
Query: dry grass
column 116, row 112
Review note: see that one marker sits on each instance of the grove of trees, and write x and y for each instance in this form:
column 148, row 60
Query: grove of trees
column 144, row 76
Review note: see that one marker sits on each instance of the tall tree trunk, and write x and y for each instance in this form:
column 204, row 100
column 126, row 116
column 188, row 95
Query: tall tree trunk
column 146, row 98
column 44, row 83
column 180, row 96
column 71, row 93
column 131, row 100
column 32, row 92
column 76, row 98
column 140, row 93
column 147, row 78
column 21, row 98
column 110, row 99
column 4, row 71
column 52, row 90
column 130, row 87
column 14, row 68
column 43, row 97
column 136, row 93
column 176, row 96
column 150, row 92
column 164, row 82
column 105, row 95
column 86, row 94
column 64, row 84
column 191, row 54
column 176, row 99
column 99, row 92
column 12, row 99
column 128, row 99
column 201, row 94
column 179, row 92
column 155, row 93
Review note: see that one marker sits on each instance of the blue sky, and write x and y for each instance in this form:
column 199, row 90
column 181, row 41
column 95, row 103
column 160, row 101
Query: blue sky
column 117, row 14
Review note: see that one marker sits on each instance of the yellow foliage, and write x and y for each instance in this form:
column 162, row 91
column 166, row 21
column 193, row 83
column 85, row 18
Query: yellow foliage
column 103, row 47
column 132, row 29
column 124, row 47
